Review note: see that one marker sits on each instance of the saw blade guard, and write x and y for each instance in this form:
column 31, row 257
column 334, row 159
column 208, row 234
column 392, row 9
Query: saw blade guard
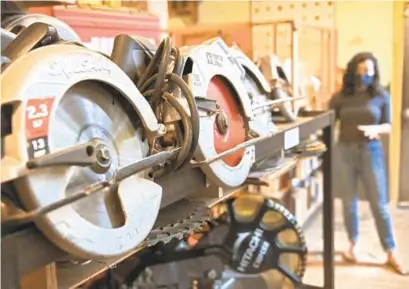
column 132, row 54
column 61, row 96
column 65, row 32
column 258, row 91
column 214, row 76
column 6, row 38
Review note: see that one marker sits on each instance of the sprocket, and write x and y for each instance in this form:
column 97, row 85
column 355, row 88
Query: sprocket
column 264, row 241
column 259, row 240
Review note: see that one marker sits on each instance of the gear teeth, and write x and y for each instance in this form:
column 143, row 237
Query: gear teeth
column 299, row 232
column 196, row 220
column 200, row 217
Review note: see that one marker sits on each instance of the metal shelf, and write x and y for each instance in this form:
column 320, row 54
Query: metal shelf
column 27, row 250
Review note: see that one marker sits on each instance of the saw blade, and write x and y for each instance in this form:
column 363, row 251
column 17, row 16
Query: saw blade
column 88, row 111
column 170, row 225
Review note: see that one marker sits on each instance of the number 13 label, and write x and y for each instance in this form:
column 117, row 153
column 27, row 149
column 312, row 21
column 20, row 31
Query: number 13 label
column 38, row 147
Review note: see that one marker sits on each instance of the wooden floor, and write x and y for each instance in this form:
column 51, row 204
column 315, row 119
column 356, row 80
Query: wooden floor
column 369, row 273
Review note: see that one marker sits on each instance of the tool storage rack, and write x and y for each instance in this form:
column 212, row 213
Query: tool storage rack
column 27, row 250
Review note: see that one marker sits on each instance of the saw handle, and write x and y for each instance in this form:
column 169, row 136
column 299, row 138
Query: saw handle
column 126, row 53
column 81, row 155
column 35, row 35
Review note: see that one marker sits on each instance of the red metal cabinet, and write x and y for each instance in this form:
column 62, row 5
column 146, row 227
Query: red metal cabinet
column 101, row 23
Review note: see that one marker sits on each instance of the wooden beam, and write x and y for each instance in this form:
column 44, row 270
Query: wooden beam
column 396, row 99
column 43, row 278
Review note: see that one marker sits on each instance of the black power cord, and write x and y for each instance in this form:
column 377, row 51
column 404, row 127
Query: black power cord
column 158, row 85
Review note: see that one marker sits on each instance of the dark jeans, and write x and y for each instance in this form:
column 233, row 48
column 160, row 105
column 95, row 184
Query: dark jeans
column 365, row 161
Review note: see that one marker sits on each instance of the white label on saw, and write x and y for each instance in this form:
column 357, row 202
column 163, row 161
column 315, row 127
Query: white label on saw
column 291, row 138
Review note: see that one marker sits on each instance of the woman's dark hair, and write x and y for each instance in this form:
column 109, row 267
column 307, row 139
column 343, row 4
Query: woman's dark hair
column 349, row 81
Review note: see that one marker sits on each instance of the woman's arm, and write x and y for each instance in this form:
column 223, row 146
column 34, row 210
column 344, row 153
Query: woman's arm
column 375, row 129
column 384, row 128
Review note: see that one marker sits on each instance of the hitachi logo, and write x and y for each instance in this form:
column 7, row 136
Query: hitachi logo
column 253, row 246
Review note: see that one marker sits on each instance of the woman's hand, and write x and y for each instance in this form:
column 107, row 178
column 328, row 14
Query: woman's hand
column 370, row 131
column 374, row 131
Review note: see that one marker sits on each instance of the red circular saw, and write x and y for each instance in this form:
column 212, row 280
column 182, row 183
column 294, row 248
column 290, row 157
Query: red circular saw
column 225, row 152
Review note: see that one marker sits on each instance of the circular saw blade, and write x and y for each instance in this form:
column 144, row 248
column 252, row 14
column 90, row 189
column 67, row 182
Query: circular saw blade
column 89, row 111
column 235, row 134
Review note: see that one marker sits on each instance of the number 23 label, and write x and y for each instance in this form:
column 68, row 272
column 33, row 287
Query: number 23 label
column 37, row 117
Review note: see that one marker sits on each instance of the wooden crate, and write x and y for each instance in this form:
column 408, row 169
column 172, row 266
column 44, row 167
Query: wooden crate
column 239, row 34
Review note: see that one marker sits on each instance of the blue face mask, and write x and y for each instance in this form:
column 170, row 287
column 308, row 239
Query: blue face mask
column 367, row 79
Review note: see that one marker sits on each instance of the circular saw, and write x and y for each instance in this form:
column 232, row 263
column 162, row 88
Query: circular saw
column 228, row 127
column 280, row 85
column 258, row 90
column 77, row 126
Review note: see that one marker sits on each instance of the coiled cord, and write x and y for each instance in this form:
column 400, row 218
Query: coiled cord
column 157, row 84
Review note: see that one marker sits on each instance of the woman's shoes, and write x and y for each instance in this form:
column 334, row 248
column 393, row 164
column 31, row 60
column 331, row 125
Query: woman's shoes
column 392, row 262
column 350, row 256
column 396, row 265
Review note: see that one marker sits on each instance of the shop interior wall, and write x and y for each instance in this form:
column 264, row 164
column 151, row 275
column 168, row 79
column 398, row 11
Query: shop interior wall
column 361, row 26
column 397, row 96
column 366, row 26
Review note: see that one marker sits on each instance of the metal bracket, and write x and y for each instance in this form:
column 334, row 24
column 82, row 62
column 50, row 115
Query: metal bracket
column 81, row 155
column 277, row 102
column 208, row 105
column 233, row 150
column 120, row 175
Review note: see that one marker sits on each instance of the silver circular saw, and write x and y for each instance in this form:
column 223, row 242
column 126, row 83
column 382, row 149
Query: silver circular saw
column 78, row 123
column 258, row 89
column 280, row 85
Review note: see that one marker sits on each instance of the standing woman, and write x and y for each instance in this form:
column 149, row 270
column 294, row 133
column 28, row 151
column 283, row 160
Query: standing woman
column 363, row 109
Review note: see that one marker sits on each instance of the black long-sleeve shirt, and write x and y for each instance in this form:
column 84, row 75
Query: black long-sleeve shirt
column 359, row 109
